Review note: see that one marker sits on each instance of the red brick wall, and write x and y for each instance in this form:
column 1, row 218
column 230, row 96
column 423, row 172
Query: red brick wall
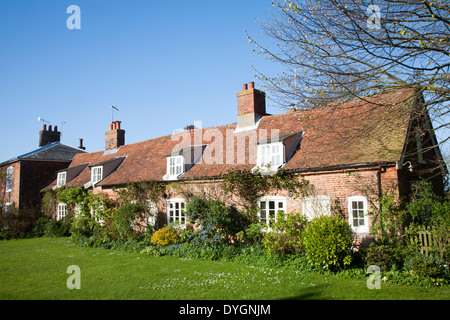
column 251, row 100
column 13, row 195
column 35, row 175
column 335, row 184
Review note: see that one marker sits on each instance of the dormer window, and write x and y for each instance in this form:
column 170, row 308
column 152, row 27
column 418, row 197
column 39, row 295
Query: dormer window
column 61, row 179
column 96, row 174
column 175, row 167
column 276, row 151
column 270, row 156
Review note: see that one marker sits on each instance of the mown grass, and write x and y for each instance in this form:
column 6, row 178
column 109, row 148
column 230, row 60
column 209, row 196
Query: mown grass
column 36, row 269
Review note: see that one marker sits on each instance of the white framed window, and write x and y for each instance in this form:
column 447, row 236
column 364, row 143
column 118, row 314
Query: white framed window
column 8, row 207
column 175, row 166
column 176, row 209
column 9, row 179
column 357, row 214
column 269, row 207
column 61, row 179
column 316, row 206
column 96, row 174
column 270, row 154
column 62, row 211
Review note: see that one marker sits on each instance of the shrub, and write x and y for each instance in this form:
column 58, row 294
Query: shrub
column 252, row 234
column 165, row 236
column 217, row 222
column 125, row 218
column 328, row 242
column 58, row 228
column 40, row 227
column 82, row 226
column 286, row 235
column 384, row 256
column 18, row 223
column 424, row 266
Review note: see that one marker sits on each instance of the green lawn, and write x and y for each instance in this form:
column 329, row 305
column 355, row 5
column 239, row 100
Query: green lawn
column 36, row 269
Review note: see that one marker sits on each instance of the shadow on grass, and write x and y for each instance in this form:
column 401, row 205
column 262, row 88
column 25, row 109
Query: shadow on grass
column 310, row 293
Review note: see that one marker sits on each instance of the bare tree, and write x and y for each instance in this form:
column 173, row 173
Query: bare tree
column 336, row 50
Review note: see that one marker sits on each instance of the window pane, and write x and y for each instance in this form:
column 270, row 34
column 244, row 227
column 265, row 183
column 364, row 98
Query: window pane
column 271, row 204
column 275, row 149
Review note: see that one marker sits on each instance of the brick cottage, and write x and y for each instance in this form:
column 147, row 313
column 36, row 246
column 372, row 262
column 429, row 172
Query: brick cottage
column 349, row 152
column 28, row 173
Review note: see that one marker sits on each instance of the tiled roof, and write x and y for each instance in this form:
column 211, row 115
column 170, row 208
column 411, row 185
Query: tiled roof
column 55, row 151
column 356, row 132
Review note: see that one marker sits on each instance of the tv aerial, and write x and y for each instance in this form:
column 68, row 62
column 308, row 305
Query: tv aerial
column 112, row 112
column 43, row 120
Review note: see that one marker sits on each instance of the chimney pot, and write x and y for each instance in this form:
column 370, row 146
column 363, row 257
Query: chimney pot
column 244, row 86
column 50, row 128
column 251, row 85
column 56, row 128
column 44, row 127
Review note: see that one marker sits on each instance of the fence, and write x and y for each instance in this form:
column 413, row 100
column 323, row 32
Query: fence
column 430, row 241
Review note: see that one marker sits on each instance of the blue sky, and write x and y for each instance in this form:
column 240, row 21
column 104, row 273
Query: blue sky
column 163, row 64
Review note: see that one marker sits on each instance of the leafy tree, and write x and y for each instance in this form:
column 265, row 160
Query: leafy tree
column 338, row 50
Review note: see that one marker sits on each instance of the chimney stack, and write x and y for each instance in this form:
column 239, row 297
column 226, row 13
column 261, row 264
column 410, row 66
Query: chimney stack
column 251, row 105
column 49, row 136
column 81, row 145
column 115, row 137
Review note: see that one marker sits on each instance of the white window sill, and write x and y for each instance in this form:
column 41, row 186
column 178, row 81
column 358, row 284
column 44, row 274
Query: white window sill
column 266, row 169
column 168, row 177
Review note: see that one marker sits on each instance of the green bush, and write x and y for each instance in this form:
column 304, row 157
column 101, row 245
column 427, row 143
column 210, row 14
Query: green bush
column 328, row 242
column 384, row 256
column 252, row 234
column 40, row 227
column 125, row 219
column 58, row 228
column 286, row 235
column 18, row 224
column 82, row 226
column 424, row 266
column 217, row 222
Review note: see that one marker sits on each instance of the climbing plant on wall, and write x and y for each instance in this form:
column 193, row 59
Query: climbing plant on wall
column 250, row 186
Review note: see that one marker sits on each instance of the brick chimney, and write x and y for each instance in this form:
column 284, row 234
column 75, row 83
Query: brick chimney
column 251, row 105
column 49, row 136
column 115, row 137
column 81, row 145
